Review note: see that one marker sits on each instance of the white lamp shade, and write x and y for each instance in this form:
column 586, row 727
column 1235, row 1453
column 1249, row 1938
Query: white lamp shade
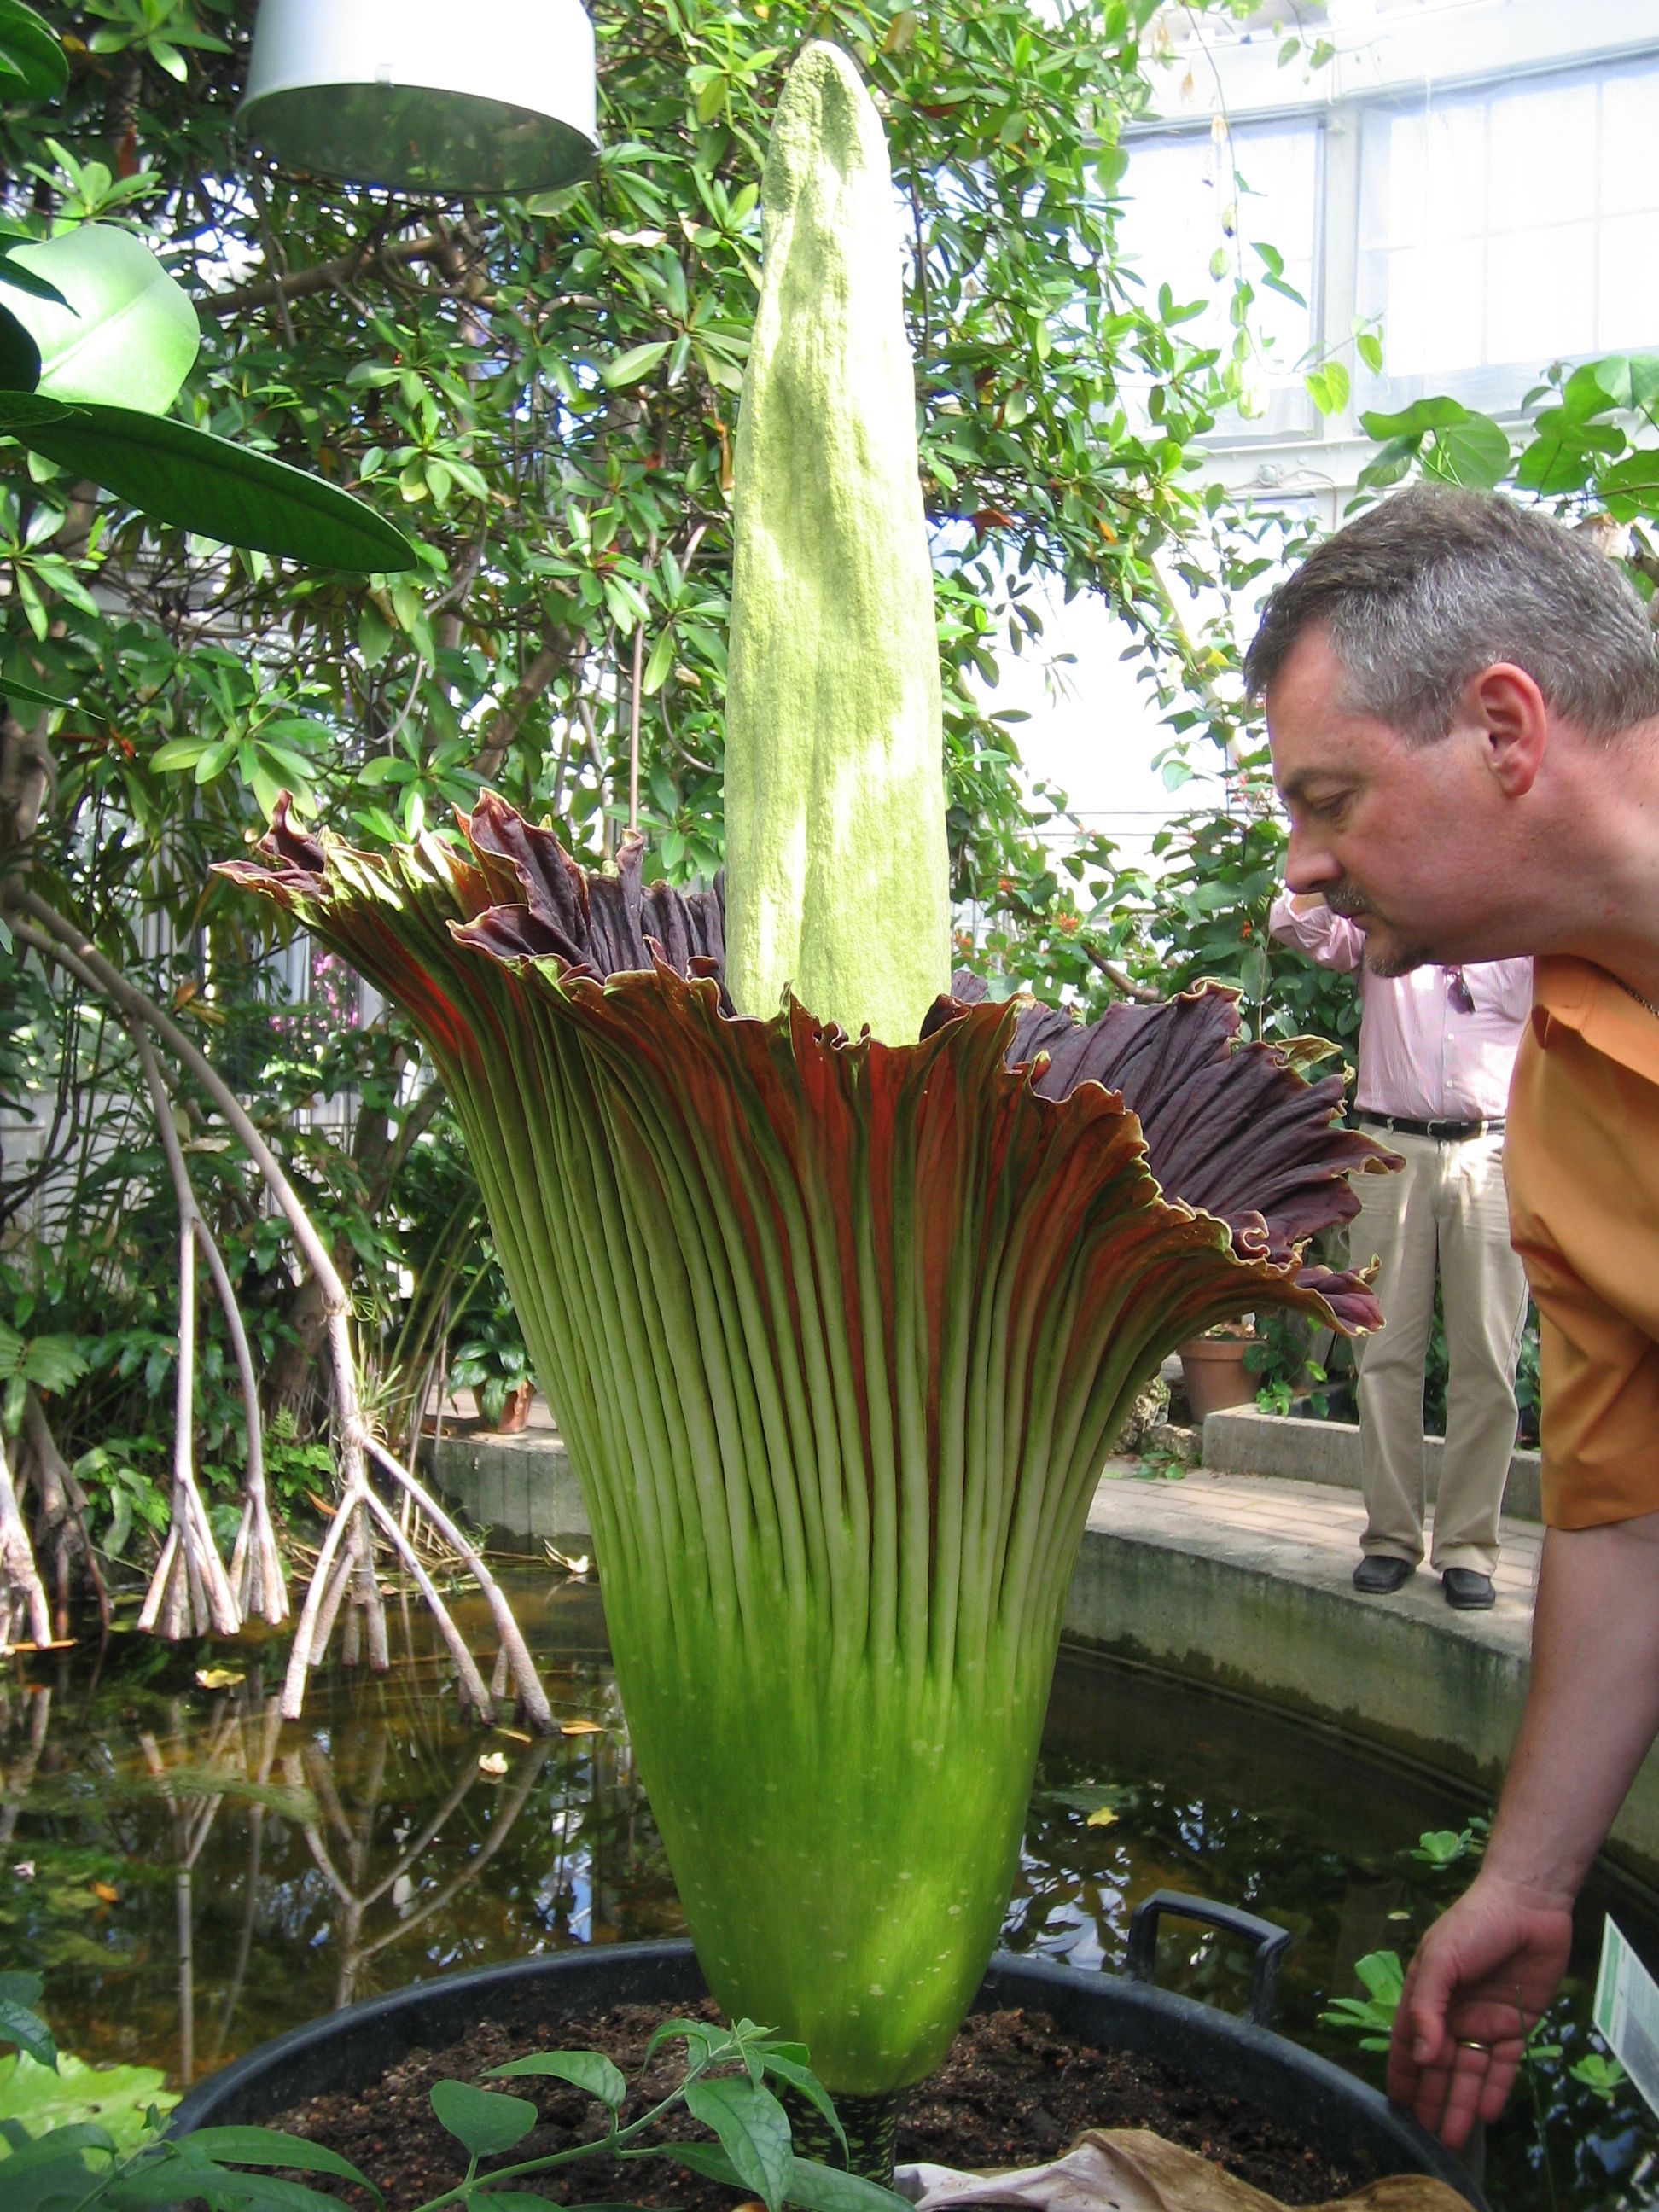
column 427, row 96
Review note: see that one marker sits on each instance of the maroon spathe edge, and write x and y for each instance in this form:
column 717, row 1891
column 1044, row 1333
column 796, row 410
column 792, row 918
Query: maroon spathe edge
column 1231, row 1130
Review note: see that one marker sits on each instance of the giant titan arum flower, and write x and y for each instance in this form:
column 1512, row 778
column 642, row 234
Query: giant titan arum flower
column 838, row 1329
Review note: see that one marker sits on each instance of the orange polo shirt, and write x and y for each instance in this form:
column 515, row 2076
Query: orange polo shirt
column 1581, row 1161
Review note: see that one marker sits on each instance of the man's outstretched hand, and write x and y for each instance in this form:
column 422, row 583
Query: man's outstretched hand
column 1482, row 1976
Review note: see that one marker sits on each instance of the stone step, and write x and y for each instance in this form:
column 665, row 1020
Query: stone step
column 1243, row 1441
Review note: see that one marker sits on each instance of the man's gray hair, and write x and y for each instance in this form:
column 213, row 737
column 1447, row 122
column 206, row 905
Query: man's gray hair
column 1425, row 590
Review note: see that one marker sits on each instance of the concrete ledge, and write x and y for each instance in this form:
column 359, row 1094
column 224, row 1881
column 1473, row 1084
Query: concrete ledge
column 1163, row 1578
column 523, row 1489
column 1242, row 1441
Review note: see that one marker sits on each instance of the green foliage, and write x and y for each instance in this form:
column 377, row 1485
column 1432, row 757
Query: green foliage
column 49, row 1363
column 487, row 1355
column 33, row 65
column 568, row 433
column 20, row 2023
column 1370, row 2017
column 1601, row 2075
column 119, row 328
column 116, row 2099
column 1440, row 1848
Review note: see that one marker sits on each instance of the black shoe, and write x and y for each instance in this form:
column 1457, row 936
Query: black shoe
column 1467, row 1589
column 1381, row 1575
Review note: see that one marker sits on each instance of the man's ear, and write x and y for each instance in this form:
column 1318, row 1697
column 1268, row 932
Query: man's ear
column 1507, row 706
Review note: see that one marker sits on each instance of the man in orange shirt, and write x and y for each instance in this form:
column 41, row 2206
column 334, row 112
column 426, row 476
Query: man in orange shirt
column 1463, row 704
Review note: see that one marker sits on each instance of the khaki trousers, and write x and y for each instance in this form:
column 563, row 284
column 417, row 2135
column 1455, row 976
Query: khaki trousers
column 1444, row 1210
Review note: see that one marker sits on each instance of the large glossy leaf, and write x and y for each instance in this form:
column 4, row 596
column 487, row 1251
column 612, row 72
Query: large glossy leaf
column 115, row 2098
column 32, row 62
column 20, row 357
column 188, row 476
column 126, row 333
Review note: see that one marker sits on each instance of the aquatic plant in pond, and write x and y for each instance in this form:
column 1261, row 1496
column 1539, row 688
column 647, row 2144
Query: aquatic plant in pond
column 838, row 1330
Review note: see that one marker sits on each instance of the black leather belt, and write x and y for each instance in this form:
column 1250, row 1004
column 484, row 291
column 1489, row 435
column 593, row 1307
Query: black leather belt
column 1449, row 1133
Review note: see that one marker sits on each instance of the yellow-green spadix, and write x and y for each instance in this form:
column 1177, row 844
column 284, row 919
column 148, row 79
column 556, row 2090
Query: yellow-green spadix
column 837, row 869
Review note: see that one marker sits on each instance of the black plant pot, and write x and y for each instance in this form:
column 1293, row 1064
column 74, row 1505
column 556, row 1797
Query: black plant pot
column 1350, row 2122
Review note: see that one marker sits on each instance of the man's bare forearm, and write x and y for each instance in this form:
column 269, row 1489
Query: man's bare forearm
column 1592, row 1705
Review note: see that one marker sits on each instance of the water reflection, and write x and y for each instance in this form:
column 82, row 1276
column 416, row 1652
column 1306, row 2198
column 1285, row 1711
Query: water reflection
column 192, row 1874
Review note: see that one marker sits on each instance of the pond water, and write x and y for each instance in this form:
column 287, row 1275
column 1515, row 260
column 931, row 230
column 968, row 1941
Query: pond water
column 192, row 1876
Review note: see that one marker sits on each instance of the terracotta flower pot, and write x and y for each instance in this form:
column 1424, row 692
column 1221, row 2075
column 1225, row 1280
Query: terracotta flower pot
column 515, row 1412
column 1215, row 1374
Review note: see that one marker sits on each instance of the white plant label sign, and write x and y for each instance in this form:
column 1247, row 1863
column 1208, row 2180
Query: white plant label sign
column 1626, row 2013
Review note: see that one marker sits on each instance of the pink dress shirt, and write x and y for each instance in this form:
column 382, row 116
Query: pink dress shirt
column 1420, row 1056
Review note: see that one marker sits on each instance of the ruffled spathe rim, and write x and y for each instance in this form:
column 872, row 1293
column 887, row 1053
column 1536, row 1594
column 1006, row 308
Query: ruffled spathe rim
column 1231, row 1130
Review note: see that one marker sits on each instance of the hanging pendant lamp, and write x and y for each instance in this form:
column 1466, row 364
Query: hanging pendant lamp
column 426, row 96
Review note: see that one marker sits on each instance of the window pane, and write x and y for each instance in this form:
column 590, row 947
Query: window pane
column 1432, row 302
column 1424, row 174
column 1543, row 155
column 1630, row 133
column 1508, row 227
column 1541, row 294
column 1628, row 321
column 1190, row 196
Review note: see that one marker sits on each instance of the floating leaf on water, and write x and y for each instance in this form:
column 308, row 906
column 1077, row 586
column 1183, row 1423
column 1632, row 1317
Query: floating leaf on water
column 1102, row 1817
column 493, row 1762
column 218, row 1678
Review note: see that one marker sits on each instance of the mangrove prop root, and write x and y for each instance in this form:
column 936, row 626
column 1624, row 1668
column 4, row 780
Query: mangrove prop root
column 190, row 1584
column 22, row 1596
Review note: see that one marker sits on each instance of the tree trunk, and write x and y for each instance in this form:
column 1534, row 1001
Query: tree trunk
column 296, row 1381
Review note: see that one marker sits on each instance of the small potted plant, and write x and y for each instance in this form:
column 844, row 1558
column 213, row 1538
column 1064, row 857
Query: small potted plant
column 1214, row 1368
column 488, row 1359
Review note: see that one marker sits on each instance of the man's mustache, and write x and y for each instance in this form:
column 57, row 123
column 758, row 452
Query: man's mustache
column 1346, row 900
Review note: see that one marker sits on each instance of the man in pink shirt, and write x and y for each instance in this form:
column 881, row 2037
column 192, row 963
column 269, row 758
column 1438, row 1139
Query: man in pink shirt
column 1437, row 1049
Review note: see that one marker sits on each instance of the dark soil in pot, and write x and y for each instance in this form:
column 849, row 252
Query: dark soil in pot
column 1013, row 2091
